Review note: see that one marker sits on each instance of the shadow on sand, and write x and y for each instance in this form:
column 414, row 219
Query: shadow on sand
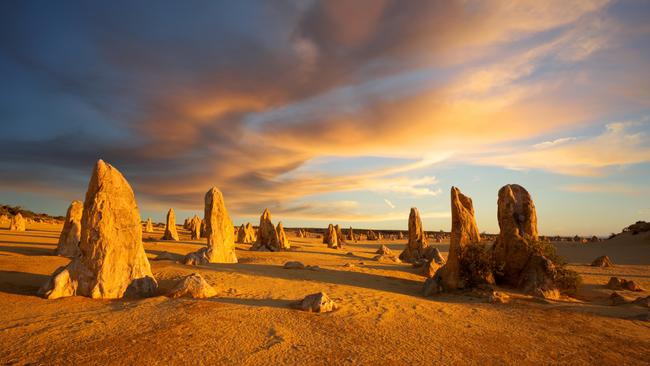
column 21, row 283
column 26, row 249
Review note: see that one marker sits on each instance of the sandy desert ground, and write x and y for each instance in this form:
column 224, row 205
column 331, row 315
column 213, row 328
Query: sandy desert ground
column 383, row 317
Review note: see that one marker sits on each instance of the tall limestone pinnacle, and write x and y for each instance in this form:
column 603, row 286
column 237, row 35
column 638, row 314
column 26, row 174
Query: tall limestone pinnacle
column 267, row 235
column 170, row 229
column 464, row 232
column 283, row 240
column 148, row 227
column 517, row 218
column 112, row 263
column 71, row 233
column 457, row 273
column 17, row 223
column 417, row 241
column 219, row 231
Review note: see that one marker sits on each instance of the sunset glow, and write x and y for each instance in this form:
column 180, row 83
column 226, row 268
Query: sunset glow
column 341, row 111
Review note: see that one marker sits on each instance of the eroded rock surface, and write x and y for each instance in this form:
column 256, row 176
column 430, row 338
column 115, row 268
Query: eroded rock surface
column 417, row 242
column 219, row 232
column 70, row 236
column 170, row 228
column 193, row 286
column 283, row 240
column 112, row 262
column 267, row 235
column 317, row 303
column 17, row 223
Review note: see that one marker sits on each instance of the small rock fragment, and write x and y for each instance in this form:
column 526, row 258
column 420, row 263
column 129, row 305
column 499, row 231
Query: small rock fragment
column 317, row 303
column 602, row 261
column 293, row 265
column 193, row 286
column 617, row 299
column 384, row 250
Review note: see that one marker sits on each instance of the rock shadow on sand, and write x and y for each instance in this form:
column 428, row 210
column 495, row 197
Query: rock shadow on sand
column 21, row 283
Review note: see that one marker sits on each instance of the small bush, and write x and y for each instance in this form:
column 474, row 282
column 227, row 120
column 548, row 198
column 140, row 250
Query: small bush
column 476, row 264
column 566, row 280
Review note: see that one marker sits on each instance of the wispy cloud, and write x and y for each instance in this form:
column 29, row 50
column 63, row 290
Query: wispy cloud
column 389, row 203
column 430, row 82
column 547, row 144
column 610, row 188
column 617, row 145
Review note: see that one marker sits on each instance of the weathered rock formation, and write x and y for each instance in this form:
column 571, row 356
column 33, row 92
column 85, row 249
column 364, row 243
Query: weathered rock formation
column 602, row 261
column 219, row 230
column 616, row 283
column 459, row 270
column 433, row 254
column 387, row 258
column 350, row 236
column 464, row 232
column 241, row 235
column 193, row 286
column 194, row 226
column 203, row 231
column 293, row 265
column 384, row 250
column 518, row 223
column 112, row 263
column 246, row 234
column 417, row 242
column 339, row 235
column 170, row 229
column 317, row 303
column 372, row 235
column 331, row 238
column 71, row 233
column 430, row 268
column 517, row 252
column 148, row 227
column 267, row 235
column 282, row 237
column 17, row 223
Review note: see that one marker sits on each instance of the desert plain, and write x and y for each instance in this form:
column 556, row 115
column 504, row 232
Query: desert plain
column 383, row 317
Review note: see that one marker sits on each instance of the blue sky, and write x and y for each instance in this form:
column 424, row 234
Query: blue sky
column 332, row 111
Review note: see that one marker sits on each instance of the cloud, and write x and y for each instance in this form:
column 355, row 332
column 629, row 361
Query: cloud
column 617, row 145
column 608, row 188
column 548, row 144
column 197, row 99
column 389, row 203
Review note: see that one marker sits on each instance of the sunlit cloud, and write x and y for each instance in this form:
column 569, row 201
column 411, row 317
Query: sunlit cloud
column 617, row 145
column 498, row 83
column 548, row 144
column 608, row 188
column 389, row 203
